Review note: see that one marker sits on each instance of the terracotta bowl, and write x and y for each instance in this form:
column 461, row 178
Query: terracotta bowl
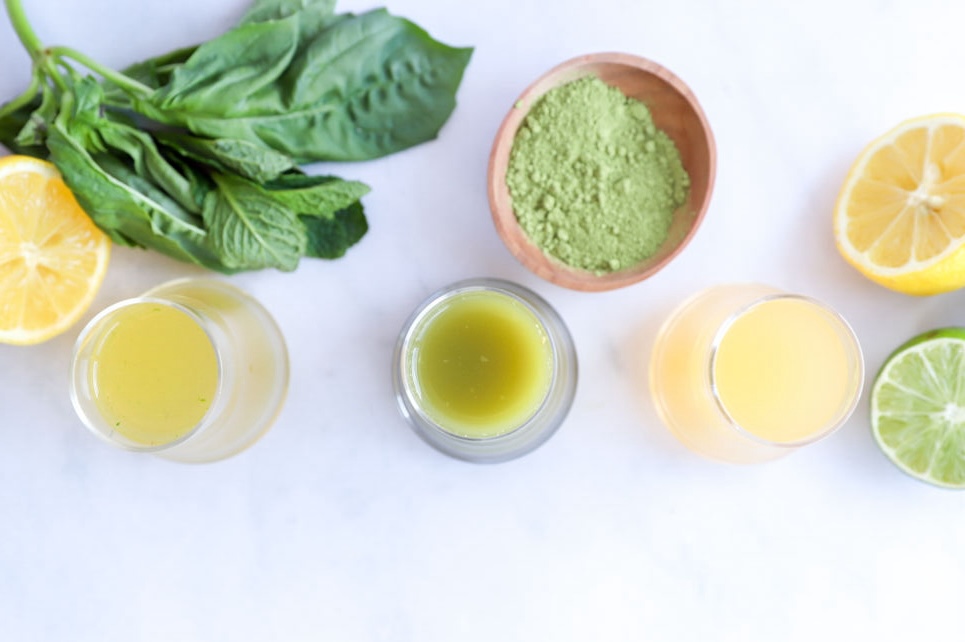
column 675, row 110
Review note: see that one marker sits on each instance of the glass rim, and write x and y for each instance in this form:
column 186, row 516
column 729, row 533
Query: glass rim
column 849, row 340
column 420, row 316
column 90, row 423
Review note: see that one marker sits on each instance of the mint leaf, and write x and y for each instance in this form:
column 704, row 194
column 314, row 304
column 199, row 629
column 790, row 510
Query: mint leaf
column 316, row 195
column 249, row 229
column 329, row 238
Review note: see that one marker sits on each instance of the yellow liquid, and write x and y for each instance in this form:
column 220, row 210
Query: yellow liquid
column 786, row 369
column 782, row 370
column 154, row 373
column 483, row 364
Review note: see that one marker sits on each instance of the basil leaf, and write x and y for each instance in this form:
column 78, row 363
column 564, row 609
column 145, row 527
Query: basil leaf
column 153, row 72
column 374, row 84
column 80, row 114
column 224, row 75
column 166, row 215
column 249, row 229
column 150, row 163
column 247, row 159
column 127, row 215
column 199, row 181
column 314, row 16
column 264, row 10
column 194, row 153
column 14, row 123
column 156, row 72
column 84, row 119
column 34, row 131
column 364, row 87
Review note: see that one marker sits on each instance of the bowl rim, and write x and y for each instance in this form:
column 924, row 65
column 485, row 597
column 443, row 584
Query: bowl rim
column 527, row 252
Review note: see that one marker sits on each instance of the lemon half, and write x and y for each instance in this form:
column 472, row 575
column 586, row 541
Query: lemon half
column 900, row 215
column 52, row 256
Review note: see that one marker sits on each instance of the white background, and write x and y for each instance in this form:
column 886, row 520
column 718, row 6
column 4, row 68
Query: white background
column 342, row 525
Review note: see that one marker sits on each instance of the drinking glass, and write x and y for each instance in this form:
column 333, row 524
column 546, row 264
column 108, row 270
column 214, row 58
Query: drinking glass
column 500, row 337
column 745, row 373
column 131, row 363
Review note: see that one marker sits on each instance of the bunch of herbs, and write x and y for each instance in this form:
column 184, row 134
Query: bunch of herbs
column 196, row 153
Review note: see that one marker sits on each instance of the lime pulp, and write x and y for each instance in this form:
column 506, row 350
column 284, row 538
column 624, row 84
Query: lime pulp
column 918, row 407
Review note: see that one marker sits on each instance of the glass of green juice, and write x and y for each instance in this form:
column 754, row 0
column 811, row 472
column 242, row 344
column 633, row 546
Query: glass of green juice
column 194, row 370
column 484, row 370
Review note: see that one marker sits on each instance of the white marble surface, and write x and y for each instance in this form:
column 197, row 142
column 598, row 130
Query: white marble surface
column 342, row 525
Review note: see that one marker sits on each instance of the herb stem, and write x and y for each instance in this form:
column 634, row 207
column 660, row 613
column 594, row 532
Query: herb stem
column 40, row 56
column 23, row 29
column 22, row 99
column 126, row 83
column 49, row 67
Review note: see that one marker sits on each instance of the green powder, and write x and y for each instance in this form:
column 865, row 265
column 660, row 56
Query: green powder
column 593, row 182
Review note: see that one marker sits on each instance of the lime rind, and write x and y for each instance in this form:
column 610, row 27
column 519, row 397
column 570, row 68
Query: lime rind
column 918, row 408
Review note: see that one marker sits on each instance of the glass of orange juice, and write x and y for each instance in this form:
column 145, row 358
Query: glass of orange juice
column 746, row 373
column 194, row 370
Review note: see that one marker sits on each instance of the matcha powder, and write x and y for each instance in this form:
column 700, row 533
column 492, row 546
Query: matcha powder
column 593, row 182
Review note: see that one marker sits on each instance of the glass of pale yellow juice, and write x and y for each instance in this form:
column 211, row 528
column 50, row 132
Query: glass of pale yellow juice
column 484, row 370
column 745, row 373
column 194, row 370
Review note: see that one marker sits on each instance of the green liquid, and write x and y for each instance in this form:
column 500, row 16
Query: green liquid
column 483, row 364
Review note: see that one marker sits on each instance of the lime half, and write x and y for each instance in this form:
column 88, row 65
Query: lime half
column 918, row 407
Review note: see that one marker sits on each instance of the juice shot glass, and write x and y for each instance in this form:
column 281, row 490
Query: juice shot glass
column 194, row 370
column 746, row 373
column 484, row 370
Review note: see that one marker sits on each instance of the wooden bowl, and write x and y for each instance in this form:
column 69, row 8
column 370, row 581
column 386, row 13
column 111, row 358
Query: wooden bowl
column 675, row 110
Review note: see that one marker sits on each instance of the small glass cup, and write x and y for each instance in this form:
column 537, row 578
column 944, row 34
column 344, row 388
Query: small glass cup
column 249, row 371
column 536, row 349
column 745, row 373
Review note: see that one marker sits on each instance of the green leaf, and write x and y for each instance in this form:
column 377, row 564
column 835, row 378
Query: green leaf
column 249, row 229
column 80, row 113
column 329, row 238
column 197, row 176
column 34, row 132
column 154, row 72
column 250, row 160
column 149, row 163
column 224, row 75
column 363, row 87
column 104, row 189
column 320, row 196
column 374, row 84
column 264, row 10
column 293, row 82
column 13, row 123
column 329, row 209
column 84, row 119
column 314, row 16
column 167, row 217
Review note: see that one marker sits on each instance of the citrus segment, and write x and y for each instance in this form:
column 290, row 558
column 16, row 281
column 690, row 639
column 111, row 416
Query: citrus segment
column 52, row 256
column 918, row 407
column 900, row 215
